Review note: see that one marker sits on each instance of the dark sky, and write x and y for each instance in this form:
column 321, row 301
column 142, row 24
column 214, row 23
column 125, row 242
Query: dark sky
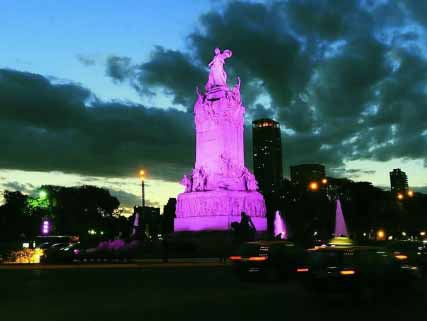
column 346, row 79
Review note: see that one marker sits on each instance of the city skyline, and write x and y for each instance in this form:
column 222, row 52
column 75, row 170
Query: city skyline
column 92, row 68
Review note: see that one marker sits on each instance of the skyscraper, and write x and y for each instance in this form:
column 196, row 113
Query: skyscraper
column 398, row 181
column 267, row 155
column 168, row 216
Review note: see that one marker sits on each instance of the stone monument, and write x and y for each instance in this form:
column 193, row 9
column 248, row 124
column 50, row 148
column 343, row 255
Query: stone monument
column 220, row 187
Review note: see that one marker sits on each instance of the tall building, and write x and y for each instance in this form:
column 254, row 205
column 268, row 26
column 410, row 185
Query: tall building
column 148, row 221
column 168, row 216
column 398, row 181
column 304, row 174
column 267, row 155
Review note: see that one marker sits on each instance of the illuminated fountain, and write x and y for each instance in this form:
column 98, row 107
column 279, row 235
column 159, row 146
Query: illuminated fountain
column 220, row 187
column 341, row 237
column 340, row 226
column 280, row 227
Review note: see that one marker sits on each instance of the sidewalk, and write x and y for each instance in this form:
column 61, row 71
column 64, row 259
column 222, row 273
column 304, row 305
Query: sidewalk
column 134, row 264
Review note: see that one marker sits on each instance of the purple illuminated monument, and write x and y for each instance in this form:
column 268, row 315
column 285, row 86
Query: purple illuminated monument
column 340, row 226
column 220, row 187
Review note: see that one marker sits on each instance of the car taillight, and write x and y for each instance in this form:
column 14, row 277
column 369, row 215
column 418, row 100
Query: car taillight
column 235, row 258
column 347, row 272
column 401, row 257
column 302, row 270
column 258, row 258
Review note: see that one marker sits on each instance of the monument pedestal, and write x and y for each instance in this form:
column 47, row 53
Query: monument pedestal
column 216, row 210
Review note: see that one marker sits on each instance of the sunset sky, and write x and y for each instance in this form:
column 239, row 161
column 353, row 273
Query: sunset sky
column 92, row 91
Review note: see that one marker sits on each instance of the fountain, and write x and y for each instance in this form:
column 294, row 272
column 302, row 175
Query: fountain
column 220, row 187
column 280, row 227
column 341, row 237
column 340, row 226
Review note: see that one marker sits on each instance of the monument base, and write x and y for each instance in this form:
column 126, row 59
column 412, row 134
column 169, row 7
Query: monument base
column 216, row 210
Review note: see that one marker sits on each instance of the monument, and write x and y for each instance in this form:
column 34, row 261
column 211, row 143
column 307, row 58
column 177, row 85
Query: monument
column 220, row 187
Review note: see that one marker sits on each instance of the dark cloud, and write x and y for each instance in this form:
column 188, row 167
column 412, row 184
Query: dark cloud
column 47, row 127
column 420, row 189
column 418, row 10
column 129, row 199
column 346, row 79
column 170, row 70
column 86, row 60
column 357, row 172
column 119, row 68
column 260, row 111
column 16, row 186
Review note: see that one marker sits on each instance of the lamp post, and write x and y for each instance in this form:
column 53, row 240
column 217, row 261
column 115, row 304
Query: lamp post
column 142, row 176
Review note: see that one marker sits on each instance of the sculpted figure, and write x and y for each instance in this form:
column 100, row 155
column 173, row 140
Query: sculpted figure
column 217, row 74
column 187, row 182
column 236, row 91
column 199, row 180
column 250, row 180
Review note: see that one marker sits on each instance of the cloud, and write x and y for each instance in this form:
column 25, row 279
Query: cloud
column 420, row 189
column 170, row 70
column 342, row 77
column 17, row 186
column 46, row 127
column 86, row 60
column 130, row 200
column 119, row 68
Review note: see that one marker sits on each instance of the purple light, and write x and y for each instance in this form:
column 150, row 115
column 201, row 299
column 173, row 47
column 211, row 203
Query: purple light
column 45, row 227
column 340, row 226
column 220, row 187
column 280, row 226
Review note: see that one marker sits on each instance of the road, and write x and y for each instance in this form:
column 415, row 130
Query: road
column 180, row 291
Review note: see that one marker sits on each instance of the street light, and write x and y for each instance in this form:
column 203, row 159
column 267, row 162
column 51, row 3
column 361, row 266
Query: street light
column 410, row 193
column 400, row 196
column 313, row 186
column 380, row 235
column 142, row 176
column 324, row 181
column 42, row 194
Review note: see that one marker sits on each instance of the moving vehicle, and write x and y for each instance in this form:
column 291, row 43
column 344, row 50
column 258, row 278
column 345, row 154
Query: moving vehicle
column 414, row 252
column 271, row 260
column 358, row 269
column 61, row 253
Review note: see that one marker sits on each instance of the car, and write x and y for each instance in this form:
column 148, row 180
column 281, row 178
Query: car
column 61, row 253
column 357, row 270
column 268, row 260
column 414, row 252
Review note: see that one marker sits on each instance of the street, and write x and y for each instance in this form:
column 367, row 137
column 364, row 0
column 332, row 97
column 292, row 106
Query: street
column 180, row 291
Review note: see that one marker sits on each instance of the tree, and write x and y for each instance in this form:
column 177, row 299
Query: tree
column 14, row 216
